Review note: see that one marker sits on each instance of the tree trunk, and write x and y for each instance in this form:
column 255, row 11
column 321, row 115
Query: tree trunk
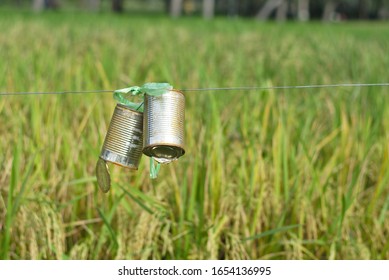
column 38, row 5
column 232, row 8
column 303, row 10
column 52, row 4
column 363, row 9
column 176, row 8
column 117, row 6
column 92, row 5
column 383, row 10
column 167, row 5
column 282, row 11
column 208, row 9
column 329, row 10
column 268, row 8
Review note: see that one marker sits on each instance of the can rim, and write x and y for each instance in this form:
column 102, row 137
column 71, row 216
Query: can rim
column 128, row 109
column 178, row 91
column 121, row 165
column 150, row 147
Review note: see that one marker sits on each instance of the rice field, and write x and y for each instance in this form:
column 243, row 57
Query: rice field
column 267, row 174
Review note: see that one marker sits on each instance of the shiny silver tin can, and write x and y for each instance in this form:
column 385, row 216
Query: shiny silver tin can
column 163, row 126
column 123, row 142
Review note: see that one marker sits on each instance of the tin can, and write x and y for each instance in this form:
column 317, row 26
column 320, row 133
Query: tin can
column 123, row 142
column 163, row 126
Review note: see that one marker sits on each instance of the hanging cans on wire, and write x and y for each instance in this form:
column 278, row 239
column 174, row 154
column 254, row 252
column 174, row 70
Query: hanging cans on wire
column 160, row 129
column 163, row 126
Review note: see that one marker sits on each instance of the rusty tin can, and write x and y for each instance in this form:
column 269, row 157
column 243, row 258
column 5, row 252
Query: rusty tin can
column 163, row 126
column 123, row 142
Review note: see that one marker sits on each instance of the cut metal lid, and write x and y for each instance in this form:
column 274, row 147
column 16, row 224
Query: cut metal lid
column 102, row 175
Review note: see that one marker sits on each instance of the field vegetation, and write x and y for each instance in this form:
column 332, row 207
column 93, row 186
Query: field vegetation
column 278, row 174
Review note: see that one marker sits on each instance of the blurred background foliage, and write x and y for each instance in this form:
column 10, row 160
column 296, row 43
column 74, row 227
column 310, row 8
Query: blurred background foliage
column 281, row 10
column 300, row 174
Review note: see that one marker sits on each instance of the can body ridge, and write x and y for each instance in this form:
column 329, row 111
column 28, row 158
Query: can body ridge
column 124, row 140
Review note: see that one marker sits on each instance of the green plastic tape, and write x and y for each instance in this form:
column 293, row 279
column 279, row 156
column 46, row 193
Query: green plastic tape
column 154, row 168
column 154, row 89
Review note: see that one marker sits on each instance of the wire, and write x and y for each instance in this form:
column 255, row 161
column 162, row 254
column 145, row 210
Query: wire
column 288, row 87
column 211, row 89
column 55, row 92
